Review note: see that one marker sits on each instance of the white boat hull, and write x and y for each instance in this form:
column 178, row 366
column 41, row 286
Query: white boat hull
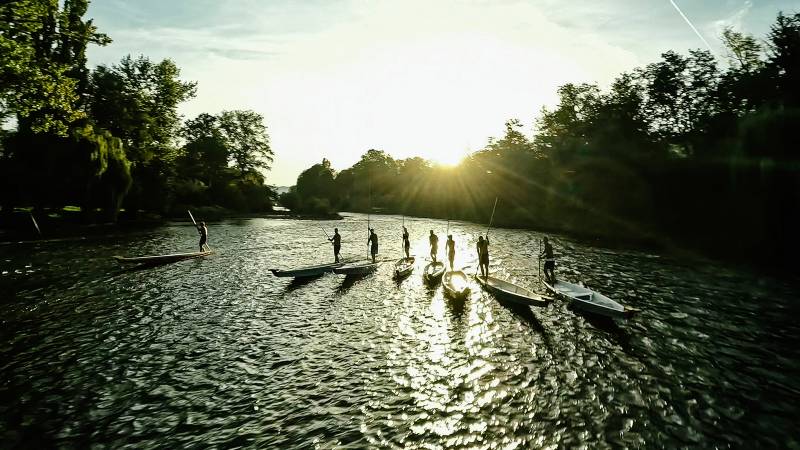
column 359, row 268
column 306, row 272
column 403, row 267
column 588, row 300
column 456, row 284
column 433, row 272
column 505, row 290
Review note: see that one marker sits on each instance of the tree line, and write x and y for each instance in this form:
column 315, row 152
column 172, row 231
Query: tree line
column 111, row 138
column 691, row 151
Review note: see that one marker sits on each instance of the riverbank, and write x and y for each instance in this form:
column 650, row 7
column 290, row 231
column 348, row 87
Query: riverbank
column 648, row 241
column 69, row 223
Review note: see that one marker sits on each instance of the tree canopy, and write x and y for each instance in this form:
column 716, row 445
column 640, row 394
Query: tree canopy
column 111, row 136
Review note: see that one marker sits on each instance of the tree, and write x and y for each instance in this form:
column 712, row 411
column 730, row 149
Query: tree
column 744, row 52
column 317, row 181
column 562, row 133
column 745, row 85
column 234, row 138
column 247, row 140
column 137, row 101
column 42, row 62
column 221, row 161
column 206, row 153
column 681, row 97
column 784, row 58
column 290, row 200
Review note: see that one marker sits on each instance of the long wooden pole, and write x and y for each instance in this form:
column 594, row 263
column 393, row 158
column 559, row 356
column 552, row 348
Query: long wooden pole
column 36, row 225
column 539, row 260
column 492, row 218
column 326, row 233
column 192, row 217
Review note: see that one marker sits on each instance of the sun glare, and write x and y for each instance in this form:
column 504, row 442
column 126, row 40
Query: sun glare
column 448, row 158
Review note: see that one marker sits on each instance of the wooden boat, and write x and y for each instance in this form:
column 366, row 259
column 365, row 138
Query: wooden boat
column 357, row 268
column 403, row 267
column 306, row 272
column 161, row 259
column 433, row 272
column 506, row 290
column 588, row 300
column 456, row 284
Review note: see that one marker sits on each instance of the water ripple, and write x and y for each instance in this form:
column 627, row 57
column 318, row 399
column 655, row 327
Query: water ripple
column 217, row 352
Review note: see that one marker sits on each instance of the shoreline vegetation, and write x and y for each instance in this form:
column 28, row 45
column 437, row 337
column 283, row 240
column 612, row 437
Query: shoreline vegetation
column 110, row 137
column 70, row 222
column 70, row 227
column 692, row 151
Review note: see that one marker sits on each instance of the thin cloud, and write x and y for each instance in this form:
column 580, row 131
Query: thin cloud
column 689, row 22
column 217, row 41
column 735, row 20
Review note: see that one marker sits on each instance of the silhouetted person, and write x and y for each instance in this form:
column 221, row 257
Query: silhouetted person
column 549, row 262
column 203, row 230
column 337, row 243
column 434, row 240
column 483, row 255
column 450, row 246
column 406, row 242
column 373, row 239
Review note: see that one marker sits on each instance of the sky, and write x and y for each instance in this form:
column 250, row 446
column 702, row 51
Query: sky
column 432, row 78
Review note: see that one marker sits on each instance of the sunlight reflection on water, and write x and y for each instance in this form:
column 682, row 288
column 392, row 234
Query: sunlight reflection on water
column 218, row 352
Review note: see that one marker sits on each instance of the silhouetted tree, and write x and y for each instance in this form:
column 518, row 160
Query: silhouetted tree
column 137, row 101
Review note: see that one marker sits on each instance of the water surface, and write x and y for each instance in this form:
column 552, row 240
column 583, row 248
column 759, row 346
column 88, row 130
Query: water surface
column 217, row 351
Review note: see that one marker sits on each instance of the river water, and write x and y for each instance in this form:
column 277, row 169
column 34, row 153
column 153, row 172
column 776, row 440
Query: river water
column 218, row 352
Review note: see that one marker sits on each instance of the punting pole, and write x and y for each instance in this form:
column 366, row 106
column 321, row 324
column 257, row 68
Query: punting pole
column 326, row 233
column 192, row 217
column 35, row 225
column 492, row 218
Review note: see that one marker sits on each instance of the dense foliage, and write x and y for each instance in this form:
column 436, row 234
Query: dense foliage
column 679, row 150
column 111, row 137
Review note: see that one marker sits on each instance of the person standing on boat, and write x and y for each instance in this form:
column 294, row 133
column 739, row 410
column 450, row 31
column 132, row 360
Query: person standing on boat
column 434, row 240
column 337, row 243
column 203, row 230
column 406, row 242
column 450, row 246
column 483, row 255
column 373, row 240
column 549, row 262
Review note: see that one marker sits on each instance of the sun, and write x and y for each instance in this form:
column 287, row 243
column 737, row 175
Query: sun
column 447, row 158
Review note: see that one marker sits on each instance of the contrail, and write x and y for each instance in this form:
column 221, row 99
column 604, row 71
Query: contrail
column 691, row 25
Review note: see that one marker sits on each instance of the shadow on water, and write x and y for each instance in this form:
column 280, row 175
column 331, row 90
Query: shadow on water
column 457, row 306
column 348, row 282
column 432, row 283
column 430, row 288
column 398, row 281
column 617, row 334
column 143, row 267
column 297, row 283
column 152, row 265
column 526, row 315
